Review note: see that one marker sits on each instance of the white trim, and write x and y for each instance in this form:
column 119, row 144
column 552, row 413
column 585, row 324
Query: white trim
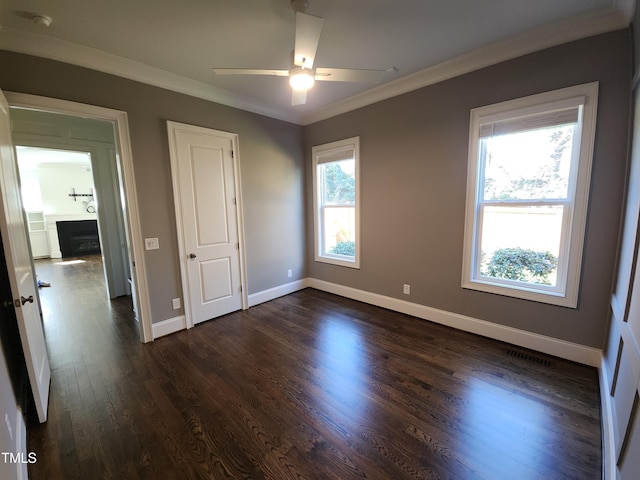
column 574, row 225
column 276, row 292
column 608, row 433
column 168, row 326
column 594, row 23
column 123, row 142
column 331, row 150
column 534, row 341
column 63, row 51
column 240, row 220
column 21, row 446
column 617, row 309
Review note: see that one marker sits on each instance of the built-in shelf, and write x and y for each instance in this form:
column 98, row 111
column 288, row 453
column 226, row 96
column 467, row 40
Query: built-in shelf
column 38, row 234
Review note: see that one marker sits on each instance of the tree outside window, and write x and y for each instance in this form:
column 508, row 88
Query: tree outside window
column 336, row 213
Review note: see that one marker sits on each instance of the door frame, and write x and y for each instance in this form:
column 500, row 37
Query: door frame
column 234, row 138
column 125, row 162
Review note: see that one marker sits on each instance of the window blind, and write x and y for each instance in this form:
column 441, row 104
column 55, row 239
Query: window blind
column 531, row 122
column 345, row 153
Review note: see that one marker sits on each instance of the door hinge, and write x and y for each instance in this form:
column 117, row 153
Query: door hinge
column 232, row 154
column 238, row 246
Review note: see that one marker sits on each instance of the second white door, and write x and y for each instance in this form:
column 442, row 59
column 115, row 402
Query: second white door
column 204, row 178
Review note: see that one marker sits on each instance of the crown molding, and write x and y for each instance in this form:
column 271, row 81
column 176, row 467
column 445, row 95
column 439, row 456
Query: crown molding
column 528, row 42
column 63, row 51
column 594, row 23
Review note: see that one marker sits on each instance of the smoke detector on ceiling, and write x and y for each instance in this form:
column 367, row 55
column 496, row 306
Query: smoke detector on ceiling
column 41, row 20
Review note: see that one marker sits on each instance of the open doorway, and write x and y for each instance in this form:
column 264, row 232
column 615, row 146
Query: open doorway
column 108, row 198
column 67, row 216
column 64, row 221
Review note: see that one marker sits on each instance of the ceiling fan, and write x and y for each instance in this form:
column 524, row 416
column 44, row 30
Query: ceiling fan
column 302, row 74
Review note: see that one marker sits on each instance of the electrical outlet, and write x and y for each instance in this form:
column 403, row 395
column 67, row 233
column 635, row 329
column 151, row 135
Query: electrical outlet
column 289, row 273
column 151, row 244
column 406, row 289
column 176, row 303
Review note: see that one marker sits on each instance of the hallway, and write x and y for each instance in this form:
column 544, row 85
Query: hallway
column 76, row 307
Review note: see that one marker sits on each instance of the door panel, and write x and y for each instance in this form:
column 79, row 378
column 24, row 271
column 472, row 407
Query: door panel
column 216, row 279
column 209, row 196
column 21, row 274
column 204, row 178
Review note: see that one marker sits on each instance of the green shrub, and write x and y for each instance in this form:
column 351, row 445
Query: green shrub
column 522, row 264
column 344, row 248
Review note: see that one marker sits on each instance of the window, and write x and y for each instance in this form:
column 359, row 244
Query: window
column 336, row 202
column 527, row 194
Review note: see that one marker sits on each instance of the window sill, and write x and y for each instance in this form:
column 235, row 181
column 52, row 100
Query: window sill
column 338, row 261
column 525, row 293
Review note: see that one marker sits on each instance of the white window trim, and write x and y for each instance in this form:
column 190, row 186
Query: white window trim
column 567, row 293
column 318, row 152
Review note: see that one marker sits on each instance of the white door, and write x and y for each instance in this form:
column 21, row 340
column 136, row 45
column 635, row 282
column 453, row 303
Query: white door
column 21, row 274
column 204, row 182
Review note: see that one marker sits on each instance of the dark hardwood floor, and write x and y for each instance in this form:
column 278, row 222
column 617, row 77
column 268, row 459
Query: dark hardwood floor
column 306, row 386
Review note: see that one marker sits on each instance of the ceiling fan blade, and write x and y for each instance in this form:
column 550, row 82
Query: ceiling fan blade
column 308, row 29
column 349, row 75
column 250, row 71
column 298, row 97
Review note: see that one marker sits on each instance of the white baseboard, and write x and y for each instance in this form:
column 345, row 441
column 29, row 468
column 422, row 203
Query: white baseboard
column 275, row 292
column 170, row 325
column 21, row 446
column 541, row 343
column 608, row 435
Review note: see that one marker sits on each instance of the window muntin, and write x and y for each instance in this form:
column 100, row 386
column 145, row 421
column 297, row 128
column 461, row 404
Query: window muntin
column 529, row 169
column 336, row 193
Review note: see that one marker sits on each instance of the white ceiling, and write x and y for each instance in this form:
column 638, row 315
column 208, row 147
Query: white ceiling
column 30, row 158
column 175, row 44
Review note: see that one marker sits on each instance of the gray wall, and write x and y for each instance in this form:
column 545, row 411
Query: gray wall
column 271, row 163
column 413, row 180
column 414, row 161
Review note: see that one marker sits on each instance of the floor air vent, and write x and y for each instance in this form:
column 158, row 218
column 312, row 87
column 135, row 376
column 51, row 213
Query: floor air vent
column 529, row 357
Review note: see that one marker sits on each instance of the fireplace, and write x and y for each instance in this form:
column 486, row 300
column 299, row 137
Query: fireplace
column 78, row 237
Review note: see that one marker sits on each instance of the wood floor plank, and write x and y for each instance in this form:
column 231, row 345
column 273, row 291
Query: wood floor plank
column 307, row 386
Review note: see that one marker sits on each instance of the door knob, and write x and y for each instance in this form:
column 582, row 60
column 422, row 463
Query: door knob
column 192, row 256
column 25, row 300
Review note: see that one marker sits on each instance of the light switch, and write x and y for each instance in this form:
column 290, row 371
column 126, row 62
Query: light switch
column 151, row 244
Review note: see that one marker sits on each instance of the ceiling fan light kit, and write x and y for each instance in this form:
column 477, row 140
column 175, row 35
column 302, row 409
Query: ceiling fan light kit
column 301, row 78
